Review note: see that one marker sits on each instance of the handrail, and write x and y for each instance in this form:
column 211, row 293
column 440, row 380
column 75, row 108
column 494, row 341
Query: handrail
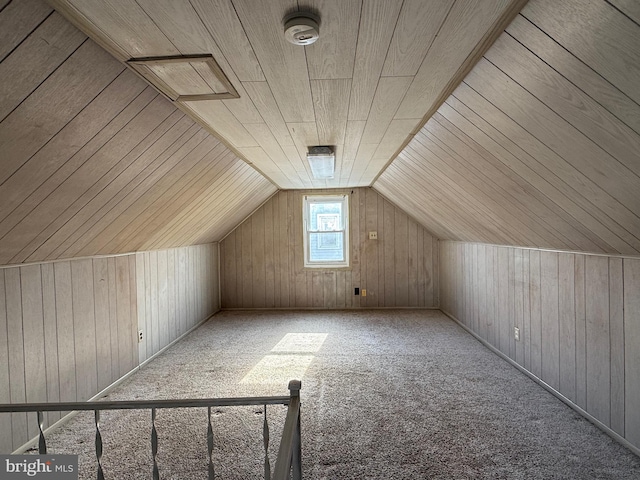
column 289, row 454
column 143, row 404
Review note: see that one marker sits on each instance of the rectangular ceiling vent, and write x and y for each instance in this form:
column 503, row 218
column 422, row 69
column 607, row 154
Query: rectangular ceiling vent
column 186, row 77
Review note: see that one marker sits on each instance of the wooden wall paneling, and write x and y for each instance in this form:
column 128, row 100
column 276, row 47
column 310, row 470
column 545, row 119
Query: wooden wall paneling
column 84, row 328
column 424, row 253
column 132, row 329
column 18, row 20
column 441, row 62
column 171, row 293
column 613, row 189
column 576, row 71
column 50, row 337
column 126, row 323
column 416, row 20
column 125, row 176
column 529, row 157
column 519, row 306
column 616, row 338
column 401, row 258
column 377, row 23
column 582, row 112
column 502, row 209
column 145, row 201
column 55, row 104
column 33, row 335
column 381, row 293
column 156, row 339
column 163, row 302
column 535, row 297
column 269, row 252
column 6, row 440
column 79, row 188
column 460, row 200
column 389, row 248
column 507, row 186
column 567, row 325
column 631, row 351
column 550, row 325
column 247, row 266
column 413, row 263
column 142, row 306
column 35, row 59
column 65, row 329
column 182, row 296
column 107, row 113
column 228, row 271
column 113, row 216
column 331, row 103
column 526, row 332
column 610, row 51
column 598, row 341
column 503, row 300
column 283, row 64
column 630, row 8
column 113, row 319
column 581, row 332
column 17, row 385
column 257, row 258
column 340, row 20
column 512, row 303
column 103, row 331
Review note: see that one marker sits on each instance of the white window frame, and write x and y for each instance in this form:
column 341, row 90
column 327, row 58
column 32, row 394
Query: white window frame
column 307, row 201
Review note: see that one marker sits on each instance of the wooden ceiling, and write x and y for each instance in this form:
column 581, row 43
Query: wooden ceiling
column 93, row 160
column 379, row 67
column 540, row 144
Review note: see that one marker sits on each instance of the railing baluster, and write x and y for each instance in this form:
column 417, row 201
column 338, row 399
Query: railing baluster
column 99, row 445
column 265, row 436
column 154, row 445
column 42, row 444
column 212, row 473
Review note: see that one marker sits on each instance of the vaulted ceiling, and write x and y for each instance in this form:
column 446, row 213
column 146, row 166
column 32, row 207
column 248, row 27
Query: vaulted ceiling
column 537, row 145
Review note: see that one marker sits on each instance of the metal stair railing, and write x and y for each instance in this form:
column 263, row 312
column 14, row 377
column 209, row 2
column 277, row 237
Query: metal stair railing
column 289, row 459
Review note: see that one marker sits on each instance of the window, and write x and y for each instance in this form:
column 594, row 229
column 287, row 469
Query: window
column 326, row 231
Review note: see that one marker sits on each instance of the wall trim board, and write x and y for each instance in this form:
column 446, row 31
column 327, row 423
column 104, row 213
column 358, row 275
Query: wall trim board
column 34, row 441
column 542, row 249
column 93, row 257
column 546, row 386
column 318, row 309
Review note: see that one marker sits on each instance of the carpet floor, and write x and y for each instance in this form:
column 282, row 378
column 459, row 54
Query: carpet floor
column 403, row 394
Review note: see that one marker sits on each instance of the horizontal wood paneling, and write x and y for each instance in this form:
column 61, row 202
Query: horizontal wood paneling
column 176, row 290
column 539, row 144
column 578, row 329
column 262, row 265
column 94, row 161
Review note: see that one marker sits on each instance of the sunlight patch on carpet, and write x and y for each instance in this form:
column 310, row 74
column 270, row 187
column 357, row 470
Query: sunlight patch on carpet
column 300, row 343
column 278, row 369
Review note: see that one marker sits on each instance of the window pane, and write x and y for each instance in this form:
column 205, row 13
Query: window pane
column 325, row 216
column 326, row 247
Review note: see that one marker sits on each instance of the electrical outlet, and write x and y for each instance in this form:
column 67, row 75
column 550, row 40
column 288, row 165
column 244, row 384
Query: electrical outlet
column 516, row 333
column 364, row 292
column 373, row 235
column 356, row 291
column 139, row 336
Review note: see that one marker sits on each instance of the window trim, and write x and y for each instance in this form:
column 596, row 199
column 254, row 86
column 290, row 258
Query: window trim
column 307, row 200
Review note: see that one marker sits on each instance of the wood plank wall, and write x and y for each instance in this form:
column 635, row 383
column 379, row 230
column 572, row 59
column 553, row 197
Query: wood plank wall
column 177, row 289
column 539, row 145
column 578, row 314
column 93, row 161
column 262, row 264
column 68, row 329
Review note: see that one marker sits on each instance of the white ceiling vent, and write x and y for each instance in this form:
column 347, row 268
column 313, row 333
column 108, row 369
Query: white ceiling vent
column 301, row 28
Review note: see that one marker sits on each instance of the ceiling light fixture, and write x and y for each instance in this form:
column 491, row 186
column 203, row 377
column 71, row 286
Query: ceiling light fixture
column 322, row 161
column 301, row 28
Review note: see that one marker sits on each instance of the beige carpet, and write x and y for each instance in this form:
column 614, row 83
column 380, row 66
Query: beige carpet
column 385, row 395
